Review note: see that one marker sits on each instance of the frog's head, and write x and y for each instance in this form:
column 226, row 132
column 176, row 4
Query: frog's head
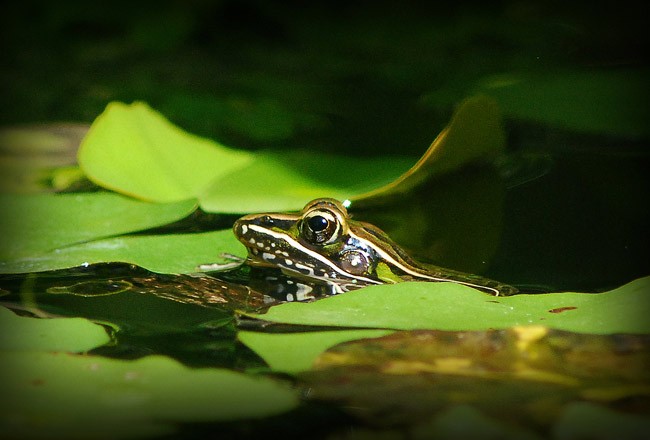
column 318, row 242
column 323, row 243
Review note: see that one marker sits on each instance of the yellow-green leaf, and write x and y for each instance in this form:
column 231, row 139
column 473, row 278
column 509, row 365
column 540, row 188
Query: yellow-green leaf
column 448, row 306
column 58, row 334
column 134, row 150
column 71, row 396
column 33, row 224
column 294, row 352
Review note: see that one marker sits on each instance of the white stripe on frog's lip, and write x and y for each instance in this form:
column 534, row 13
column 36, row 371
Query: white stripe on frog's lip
column 390, row 259
column 293, row 243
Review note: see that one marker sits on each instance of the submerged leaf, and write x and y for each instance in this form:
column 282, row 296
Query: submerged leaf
column 530, row 353
column 455, row 220
column 462, row 422
column 134, row 150
column 533, row 372
column 69, row 396
column 586, row 420
column 57, row 334
column 448, row 306
column 34, row 224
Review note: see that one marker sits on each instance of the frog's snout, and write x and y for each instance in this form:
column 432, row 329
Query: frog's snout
column 241, row 228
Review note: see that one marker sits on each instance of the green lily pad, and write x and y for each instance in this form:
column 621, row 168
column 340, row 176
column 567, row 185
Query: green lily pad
column 72, row 396
column 173, row 253
column 448, row 306
column 136, row 151
column 294, row 352
column 33, row 224
column 287, row 181
column 59, row 334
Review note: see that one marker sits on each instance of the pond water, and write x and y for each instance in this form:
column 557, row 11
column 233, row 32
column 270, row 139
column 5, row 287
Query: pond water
column 564, row 209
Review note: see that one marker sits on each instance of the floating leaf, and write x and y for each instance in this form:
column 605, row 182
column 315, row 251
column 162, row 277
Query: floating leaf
column 134, row 150
column 294, row 352
column 287, row 181
column 448, row 306
column 57, row 334
column 475, row 132
column 613, row 102
column 172, row 253
column 71, row 396
column 600, row 101
column 33, row 224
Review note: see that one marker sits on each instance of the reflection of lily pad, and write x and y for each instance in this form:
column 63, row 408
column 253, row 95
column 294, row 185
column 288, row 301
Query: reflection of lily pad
column 70, row 396
column 59, row 334
column 448, row 306
column 32, row 224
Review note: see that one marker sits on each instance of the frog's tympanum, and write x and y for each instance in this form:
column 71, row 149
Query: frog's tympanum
column 323, row 244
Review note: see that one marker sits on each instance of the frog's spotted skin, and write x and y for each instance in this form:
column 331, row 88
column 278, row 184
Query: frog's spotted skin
column 323, row 243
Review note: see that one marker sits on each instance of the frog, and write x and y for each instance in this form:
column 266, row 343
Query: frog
column 322, row 244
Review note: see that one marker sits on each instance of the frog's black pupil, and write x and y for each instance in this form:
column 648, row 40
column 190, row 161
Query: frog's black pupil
column 317, row 223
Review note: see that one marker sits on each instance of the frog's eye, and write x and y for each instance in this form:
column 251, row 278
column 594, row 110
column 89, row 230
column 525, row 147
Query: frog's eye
column 320, row 227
